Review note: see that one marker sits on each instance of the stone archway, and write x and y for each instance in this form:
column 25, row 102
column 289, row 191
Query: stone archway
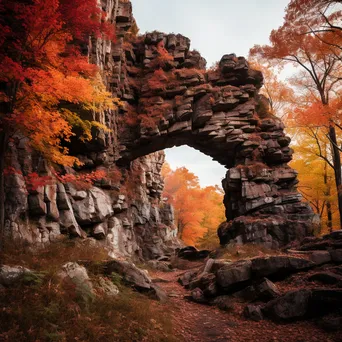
column 220, row 113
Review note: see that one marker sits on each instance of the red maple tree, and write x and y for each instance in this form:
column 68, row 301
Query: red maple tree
column 41, row 68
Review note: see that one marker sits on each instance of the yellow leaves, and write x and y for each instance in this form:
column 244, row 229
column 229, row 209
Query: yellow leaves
column 40, row 115
column 100, row 99
column 85, row 126
column 75, row 121
column 316, row 178
column 100, row 126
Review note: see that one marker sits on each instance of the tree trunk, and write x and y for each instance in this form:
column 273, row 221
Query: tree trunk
column 327, row 193
column 337, row 168
column 329, row 217
column 180, row 230
column 3, row 148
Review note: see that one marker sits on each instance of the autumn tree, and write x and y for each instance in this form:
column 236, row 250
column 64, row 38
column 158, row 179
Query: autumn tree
column 197, row 210
column 321, row 18
column 280, row 95
column 316, row 178
column 42, row 70
column 318, row 81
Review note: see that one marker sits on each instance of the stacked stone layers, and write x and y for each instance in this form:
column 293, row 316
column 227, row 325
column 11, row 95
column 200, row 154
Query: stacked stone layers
column 218, row 112
column 142, row 226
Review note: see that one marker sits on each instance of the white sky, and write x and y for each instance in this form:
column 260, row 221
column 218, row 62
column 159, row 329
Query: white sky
column 215, row 27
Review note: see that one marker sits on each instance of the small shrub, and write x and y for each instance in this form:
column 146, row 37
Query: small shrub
column 209, row 241
column 163, row 59
column 116, row 279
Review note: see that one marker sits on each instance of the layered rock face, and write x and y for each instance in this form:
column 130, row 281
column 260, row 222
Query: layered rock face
column 220, row 113
column 167, row 99
column 128, row 223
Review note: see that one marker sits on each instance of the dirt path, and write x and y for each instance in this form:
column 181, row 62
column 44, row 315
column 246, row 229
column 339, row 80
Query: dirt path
column 202, row 323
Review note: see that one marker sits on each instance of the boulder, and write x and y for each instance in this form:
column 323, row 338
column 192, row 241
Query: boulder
column 326, row 278
column 278, row 266
column 192, row 253
column 158, row 293
column 206, row 282
column 99, row 231
column 263, row 290
column 336, row 235
column 69, row 224
column 103, row 204
column 198, row 296
column 266, row 290
column 336, row 255
column 320, row 257
column 209, row 265
column 253, row 312
column 224, row 303
column 325, row 301
column 131, row 274
column 291, row 306
column 160, row 265
column 78, row 275
column 37, row 205
column 107, row 287
column 186, row 278
column 12, row 275
column 202, row 281
column 135, row 277
column 234, row 275
column 330, row 323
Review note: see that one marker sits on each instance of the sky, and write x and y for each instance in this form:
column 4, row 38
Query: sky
column 215, row 28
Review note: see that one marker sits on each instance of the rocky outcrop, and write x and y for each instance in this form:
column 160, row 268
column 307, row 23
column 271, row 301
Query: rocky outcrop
column 12, row 275
column 135, row 277
column 167, row 98
column 304, row 304
column 278, row 287
column 79, row 277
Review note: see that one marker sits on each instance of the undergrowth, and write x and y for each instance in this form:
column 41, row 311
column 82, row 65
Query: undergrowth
column 209, row 241
column 238, row 252
column 53, row 256
column 42, row 307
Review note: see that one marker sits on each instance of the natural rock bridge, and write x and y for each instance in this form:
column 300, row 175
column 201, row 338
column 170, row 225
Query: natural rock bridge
column 167, row 98
column 219, row 113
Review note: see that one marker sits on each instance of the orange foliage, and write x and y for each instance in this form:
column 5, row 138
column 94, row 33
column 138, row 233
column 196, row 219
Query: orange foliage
column 163, row 59
column 42, row 68
column 151, row 113
column 280, row 95
column 82, row 181
column 311, row 39
column 197, row 210
column 186, row 72
column 129, row 118
column 158, row 80
column 132, row 182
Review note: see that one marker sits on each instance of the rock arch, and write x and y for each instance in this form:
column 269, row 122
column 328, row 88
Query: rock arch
column 220, row 113
column 166, row 98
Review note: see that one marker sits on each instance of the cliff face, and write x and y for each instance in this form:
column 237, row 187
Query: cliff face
column 127, row 223
column 168, row 99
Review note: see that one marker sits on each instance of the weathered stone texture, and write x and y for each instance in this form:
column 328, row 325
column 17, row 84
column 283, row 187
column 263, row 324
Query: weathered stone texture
column 215, row 111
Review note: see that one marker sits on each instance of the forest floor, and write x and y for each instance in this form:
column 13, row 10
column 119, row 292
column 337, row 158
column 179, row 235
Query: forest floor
column 203, row 323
